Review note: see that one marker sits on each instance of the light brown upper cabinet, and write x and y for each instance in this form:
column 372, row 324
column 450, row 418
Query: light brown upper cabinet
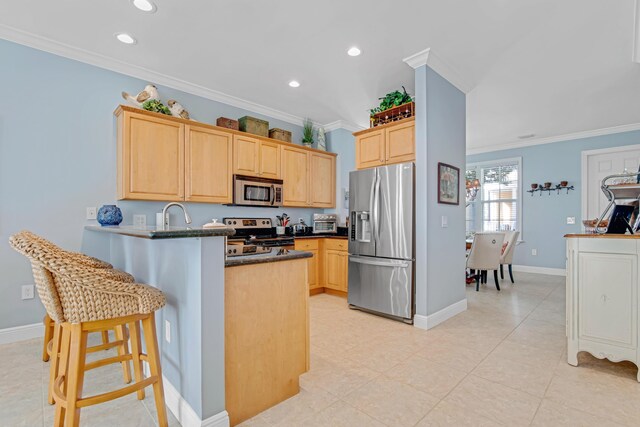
column 295, row 176
column 322, row 182
column 309, row 178
column 254, row 157
column 169, row 158
column 150, row 157
column 386, row 144
column 208, row 155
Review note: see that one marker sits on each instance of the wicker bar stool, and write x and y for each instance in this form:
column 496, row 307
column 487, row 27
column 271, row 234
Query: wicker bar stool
column 52, row 329
column 83, row 300
column 81, row 259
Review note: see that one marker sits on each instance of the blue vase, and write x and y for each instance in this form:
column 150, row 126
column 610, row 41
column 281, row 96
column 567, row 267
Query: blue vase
column 109, row 215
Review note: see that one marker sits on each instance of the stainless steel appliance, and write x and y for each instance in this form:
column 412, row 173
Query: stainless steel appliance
column 381, row 240
column 325, row 223
column 255, row 232
column 252, row 191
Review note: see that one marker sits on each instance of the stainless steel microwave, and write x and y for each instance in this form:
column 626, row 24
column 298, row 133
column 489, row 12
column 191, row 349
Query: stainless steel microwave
column 253, row 191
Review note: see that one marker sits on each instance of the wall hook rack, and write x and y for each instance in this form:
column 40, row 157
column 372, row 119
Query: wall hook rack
column 537, row 188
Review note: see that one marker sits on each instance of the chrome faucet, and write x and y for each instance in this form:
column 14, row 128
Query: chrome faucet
column 165, row 215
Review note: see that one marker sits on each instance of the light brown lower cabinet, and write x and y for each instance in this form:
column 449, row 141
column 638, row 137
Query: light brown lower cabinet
column 266, row 344
column 328, row 269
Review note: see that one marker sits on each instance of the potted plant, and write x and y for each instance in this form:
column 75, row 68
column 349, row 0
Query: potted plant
column 307, row 132
column 393, row 106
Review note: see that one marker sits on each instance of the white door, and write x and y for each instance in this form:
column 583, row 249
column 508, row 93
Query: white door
column 598, row 164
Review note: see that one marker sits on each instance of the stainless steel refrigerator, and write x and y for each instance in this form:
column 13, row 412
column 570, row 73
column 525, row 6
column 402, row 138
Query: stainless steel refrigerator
column 381, row 240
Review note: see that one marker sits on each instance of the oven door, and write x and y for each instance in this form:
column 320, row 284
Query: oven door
column 250, row 191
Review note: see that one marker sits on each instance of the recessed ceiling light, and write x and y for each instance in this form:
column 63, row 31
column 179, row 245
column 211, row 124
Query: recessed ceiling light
column 354, row 51
column 527, row 136
column 294, row 83
column 126, row 38
column 144, row 5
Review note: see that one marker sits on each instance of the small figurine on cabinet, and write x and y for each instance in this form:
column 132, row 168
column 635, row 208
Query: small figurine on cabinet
column 177, row 110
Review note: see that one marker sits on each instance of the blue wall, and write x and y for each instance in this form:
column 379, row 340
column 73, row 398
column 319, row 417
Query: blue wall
column 544, row 217
column 58, row 156
column 342, row 141
column 440, row 137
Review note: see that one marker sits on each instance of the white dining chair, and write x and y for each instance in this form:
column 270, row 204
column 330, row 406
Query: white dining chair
column 511, row 240
column 485, row 255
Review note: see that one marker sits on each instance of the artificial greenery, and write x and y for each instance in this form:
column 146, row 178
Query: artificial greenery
column 156, row 106
column 392, row 99
column 307, row 131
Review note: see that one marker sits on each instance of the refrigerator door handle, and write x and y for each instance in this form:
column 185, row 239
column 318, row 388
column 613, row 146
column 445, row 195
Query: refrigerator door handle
column 372, row 206
column 376, row 206
column 389, row 263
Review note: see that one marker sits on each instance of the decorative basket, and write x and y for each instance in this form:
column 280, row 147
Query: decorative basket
column 393, row 114
column 590, row 225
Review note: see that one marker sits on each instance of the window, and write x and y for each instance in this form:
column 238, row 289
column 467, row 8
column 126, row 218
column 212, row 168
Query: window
column 498, row 204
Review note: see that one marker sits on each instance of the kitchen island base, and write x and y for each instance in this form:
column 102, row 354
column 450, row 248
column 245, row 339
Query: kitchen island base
column 602, row 297
column 266, row 335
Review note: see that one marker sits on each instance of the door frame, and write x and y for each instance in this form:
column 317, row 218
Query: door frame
column 584, row 194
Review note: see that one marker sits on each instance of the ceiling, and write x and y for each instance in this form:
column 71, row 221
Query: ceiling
column 542, row 67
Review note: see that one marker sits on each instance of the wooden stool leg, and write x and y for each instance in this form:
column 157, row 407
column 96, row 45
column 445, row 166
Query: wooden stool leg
column 136, row 349
column 121, row 334
column 48, row 335
column 75, row 373
column 149, row 326
column 62, row 372
column 105, row 337
column 55, row 360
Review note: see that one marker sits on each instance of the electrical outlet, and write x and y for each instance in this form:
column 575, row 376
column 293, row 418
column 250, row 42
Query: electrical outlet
column 92, row 213
column 167, row 331
column 140, row 220
column 534, row 252
column 445, row 221
column 27, row 291
column 571, row 220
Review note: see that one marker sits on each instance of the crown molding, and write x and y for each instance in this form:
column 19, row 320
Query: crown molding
column 342, row 124
column 98, row 60
column 559, row 138
column 435, row 62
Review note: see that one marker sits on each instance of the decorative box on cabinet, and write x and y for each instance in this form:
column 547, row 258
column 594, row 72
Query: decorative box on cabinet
column 602, row 297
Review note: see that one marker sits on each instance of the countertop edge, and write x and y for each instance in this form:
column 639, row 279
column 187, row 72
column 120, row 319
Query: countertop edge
column 602, row 236
column 240, row 261
column 162, row 234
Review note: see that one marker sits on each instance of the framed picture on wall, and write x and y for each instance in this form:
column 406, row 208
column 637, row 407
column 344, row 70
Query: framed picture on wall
column 448, row 184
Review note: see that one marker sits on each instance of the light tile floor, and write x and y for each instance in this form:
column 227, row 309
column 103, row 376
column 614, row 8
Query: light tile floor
column 502, row 362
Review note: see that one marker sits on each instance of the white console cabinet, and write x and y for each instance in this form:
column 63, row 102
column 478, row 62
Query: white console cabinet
column 602, row 297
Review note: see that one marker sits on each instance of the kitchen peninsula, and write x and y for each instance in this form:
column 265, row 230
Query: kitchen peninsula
column 213, row 312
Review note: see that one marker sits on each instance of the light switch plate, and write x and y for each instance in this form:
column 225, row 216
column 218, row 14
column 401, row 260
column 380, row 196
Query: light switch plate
column 571, row 220
column 534, row 252
column 140, row 220
column 167, row 331
column 445, row 221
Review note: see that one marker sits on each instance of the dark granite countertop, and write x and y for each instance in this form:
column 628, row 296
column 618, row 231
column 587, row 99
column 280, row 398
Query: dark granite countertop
column 276, row 255
column 159, row 233
column 322, row 236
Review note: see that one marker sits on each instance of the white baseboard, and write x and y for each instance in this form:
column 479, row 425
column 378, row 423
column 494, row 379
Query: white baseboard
column 21, row 333
column 432, row 320
column 185, row 413
column 539, row 270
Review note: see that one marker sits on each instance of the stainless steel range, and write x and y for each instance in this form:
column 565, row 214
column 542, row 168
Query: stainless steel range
column 254, row 236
